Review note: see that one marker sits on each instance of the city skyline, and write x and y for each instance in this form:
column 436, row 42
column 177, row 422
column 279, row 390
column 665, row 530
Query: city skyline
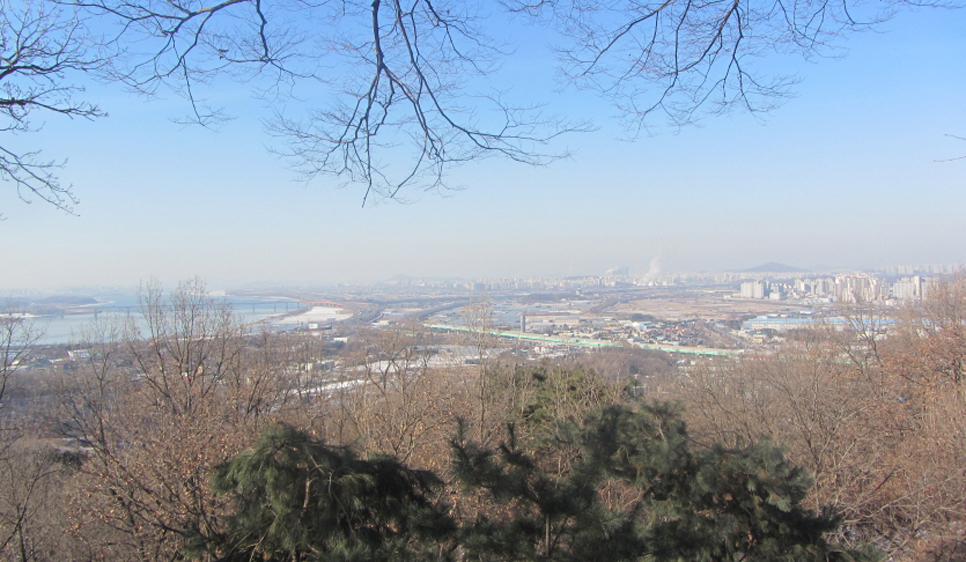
column 781, row 274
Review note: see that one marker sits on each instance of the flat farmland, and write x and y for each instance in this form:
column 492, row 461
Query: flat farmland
column 685, row 305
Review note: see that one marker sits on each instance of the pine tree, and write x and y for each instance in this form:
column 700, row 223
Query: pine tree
column 554, row 517
column 705, row 505
column 297, row 499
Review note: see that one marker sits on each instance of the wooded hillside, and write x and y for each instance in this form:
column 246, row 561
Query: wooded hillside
column 198, row 439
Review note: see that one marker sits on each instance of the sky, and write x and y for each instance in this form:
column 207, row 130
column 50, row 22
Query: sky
column 847, row 174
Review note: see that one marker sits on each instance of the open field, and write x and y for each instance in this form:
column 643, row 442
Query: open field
column 709, row 307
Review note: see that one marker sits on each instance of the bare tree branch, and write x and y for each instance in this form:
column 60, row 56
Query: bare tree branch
column 953, row 159
column 392, row 94
column 42, row 49
column 18, row 335
column 393, row 73
column 683, row 58
column 420, row 55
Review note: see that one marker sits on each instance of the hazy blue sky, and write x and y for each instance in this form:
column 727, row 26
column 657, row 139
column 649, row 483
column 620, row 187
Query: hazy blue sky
column 843, row 175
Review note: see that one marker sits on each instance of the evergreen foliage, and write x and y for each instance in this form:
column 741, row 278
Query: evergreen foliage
column 554, row 517
column 714, row 504
column 294, row 498
column 297, row 499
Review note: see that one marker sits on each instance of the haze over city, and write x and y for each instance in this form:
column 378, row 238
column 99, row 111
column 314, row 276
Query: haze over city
column 847, row 174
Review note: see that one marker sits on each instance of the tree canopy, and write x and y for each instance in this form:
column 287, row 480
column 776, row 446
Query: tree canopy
column 680, row 502
column 296, row 498
column 398, row 89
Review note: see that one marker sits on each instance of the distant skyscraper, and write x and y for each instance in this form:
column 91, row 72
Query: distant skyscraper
column 753, row 290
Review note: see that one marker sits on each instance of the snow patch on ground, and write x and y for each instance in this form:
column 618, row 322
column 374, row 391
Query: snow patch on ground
column 317, row 314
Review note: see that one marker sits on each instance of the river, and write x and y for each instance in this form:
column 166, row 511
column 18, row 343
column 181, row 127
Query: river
column 68, row 326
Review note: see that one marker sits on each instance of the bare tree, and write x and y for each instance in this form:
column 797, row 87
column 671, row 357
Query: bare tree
column 18, row 335
column 193, row 345
column 29, row 470
column 478, row 318
column 843, row 427
column 32, row 498
column 392, row 399
column 878, row 421
column 159, row 407
column 43, row 51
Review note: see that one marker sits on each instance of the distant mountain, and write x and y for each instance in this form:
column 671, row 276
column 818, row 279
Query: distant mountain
column 772, row 267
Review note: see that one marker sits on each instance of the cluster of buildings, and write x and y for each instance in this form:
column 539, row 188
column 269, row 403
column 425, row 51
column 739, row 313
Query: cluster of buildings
column 844, row 288
column 784, row 283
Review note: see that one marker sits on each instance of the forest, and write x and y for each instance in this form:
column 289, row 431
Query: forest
column 195, row 437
